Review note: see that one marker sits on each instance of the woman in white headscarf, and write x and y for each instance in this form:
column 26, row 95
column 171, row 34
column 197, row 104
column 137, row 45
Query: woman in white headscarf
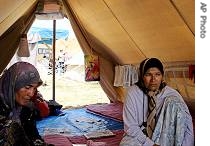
column 155, row 114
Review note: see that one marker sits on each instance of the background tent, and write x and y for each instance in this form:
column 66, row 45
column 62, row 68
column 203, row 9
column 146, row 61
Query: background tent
column 120, row 32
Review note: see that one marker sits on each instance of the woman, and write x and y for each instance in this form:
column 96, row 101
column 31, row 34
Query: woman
column 154, row 113
column 34, row 111
column 17, row 86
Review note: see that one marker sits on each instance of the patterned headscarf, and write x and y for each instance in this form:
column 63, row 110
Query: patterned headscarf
column 144, row 66
column 17, row 76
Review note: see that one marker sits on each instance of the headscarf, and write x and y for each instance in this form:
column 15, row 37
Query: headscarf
column 17, row 76
column 144, row 66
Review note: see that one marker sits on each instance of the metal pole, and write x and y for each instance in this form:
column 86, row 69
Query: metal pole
column 54, row 39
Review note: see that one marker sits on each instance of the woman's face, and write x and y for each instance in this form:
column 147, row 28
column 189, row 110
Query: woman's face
column 152, row 79
column 24, row 95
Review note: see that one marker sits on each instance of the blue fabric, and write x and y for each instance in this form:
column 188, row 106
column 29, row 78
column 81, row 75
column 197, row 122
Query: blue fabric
column 78, row 122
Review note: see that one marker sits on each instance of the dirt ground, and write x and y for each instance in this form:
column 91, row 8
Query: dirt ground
column 70, row 88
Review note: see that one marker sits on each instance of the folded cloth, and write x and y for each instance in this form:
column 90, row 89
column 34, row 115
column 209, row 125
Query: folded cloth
column 99, row 134
column 92, row 143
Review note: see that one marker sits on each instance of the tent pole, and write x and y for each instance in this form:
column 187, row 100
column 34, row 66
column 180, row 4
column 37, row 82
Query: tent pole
column 54, row 63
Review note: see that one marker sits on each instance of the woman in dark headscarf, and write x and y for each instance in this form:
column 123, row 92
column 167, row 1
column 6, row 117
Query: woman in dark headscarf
column 155, row 114
column 17, row 86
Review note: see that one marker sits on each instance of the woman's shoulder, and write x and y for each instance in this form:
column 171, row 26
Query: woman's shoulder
column 134, row 88
column 173, row 97
column 169, row 91
column 4, row 113
column 3, row 109
column 134, row 92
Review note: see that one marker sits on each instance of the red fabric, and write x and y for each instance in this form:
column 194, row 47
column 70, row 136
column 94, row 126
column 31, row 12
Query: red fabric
column 192, row 72
column 43, row 108
column 57, row 140
column 60, row 140
column 92, row 143
column 112, row 110
column 41, row 104
column 110, row 141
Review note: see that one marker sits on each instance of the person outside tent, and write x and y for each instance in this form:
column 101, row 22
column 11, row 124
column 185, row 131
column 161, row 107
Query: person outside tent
column 154, row 113
column 17, row 86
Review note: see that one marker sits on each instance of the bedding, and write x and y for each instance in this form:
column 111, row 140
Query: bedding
column 74, row 124
column 111, row 110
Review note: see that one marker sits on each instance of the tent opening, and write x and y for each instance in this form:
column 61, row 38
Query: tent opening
column 71, row 89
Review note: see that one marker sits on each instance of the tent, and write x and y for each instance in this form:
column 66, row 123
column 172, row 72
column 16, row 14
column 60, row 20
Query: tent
column 120, row 32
